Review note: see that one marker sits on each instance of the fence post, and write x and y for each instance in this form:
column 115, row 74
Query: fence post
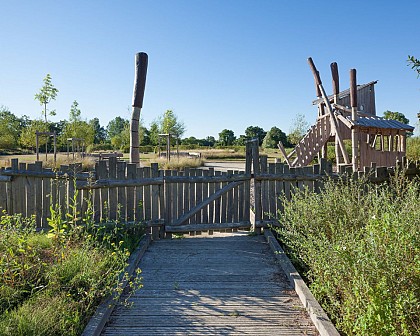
column 257, row 188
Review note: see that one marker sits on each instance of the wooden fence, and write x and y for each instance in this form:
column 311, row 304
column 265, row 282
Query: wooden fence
column 187, row 201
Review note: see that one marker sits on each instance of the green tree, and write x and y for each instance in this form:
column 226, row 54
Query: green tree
column 226, row 137
column 9, row 129
column 99, row 135
column 298, row 129
column 241, row 141
column 398, row 116
column 116, row 126
column 414, row 63
column 121, row 141
column 154, row 133
column 78, row 128
column 209, row 141
column 46, row 94
column 255, row 132
column 27, row 138
column 273, row 137
column 169, row 124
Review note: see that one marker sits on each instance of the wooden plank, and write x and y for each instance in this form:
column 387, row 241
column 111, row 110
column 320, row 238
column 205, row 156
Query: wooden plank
column 30, row 192
column 38, row 195
column 205, row 194
column 217, row 201
column 187, row 205
column 271, row 192
column 279, row 188
column 131, row 174
column 286, row 170
column 232, row 298
column 211, row 190
column 180, row 197
column 46, row 200
column 206, row 227
column 102, row 173
column 121, row 196
column 154, row 169
column 139, row 199
column 223, row 202
column 191, row 188
column 199, row 196
column 168, row 201
column 147, row 196
column 113, row 193
column 230, row 206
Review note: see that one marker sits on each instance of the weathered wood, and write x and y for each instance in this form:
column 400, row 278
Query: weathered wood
column 131, row 174
column 146, row 195
column 199, row 196
column 205, row 202
column 221, row 298
column 121, row 196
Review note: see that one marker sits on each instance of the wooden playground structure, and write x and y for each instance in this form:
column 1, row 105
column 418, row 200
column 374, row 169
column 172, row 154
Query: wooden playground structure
column 349, row 115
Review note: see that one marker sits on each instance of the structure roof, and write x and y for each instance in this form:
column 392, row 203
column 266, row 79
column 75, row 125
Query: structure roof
column 379, row 122
column 344, row 93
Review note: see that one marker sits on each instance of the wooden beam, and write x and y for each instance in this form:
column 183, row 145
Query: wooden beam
column 283, row 152
column 206, row 227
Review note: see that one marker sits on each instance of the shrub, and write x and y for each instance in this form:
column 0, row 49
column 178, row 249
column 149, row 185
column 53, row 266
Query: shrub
column 359, row 247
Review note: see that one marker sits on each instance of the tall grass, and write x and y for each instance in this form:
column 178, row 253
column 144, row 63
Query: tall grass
column 51, row 283
column 180, row 163
column 359, row 247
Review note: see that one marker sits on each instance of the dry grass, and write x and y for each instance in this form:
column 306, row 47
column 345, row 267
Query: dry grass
column 88, row 163
column 179, row 164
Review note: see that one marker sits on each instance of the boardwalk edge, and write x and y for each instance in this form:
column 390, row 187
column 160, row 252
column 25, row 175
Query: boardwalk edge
column 318, row 316
column 104, row 310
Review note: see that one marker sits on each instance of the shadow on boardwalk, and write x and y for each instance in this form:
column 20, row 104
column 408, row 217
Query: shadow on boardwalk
column 226, row 284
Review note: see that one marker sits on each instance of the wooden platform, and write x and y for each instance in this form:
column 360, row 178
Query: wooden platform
column 221, row 285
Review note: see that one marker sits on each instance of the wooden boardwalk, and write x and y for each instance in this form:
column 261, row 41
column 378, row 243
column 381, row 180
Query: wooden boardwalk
column 223, row 285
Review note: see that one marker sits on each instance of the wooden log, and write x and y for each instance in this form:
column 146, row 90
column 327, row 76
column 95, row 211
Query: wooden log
column 47, row 199
column 192, row 196
column 229, row 202
column 354, row 130
column 187, row 205
column 154, row 169
column 224, row 207
column 335, row 81
column 217, row 201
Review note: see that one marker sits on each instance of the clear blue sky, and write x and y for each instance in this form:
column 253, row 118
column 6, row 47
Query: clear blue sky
column 216, row 63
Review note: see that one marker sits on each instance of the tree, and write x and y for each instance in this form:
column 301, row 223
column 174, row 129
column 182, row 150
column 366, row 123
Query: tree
column 241, row 141
column 398, row 116
column 77, row 128
column 47, row 93
column 273, row 137
column 209, row 141
column 169, row 124
column 414, row 63
column 116, row 126
column 121, row 141
column 298, row 129
column 99, row 135
column 154, row 133
column 255, row 132
column 27, row 137
column 226, row 137
column 9, row 129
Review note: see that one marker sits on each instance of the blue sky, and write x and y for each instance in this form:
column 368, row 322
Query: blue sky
column 216, row 63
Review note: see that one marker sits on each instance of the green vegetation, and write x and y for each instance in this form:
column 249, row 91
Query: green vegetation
column 413, row 148
column 358, row 245
column 47, row 94
column 51, row 283
column 414, row 63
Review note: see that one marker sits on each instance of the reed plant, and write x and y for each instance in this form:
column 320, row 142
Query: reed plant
column 358, row 245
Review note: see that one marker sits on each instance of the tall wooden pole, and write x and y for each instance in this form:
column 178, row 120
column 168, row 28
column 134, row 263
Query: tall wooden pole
column 138, row 95
column 336, row 91
column 354, row 131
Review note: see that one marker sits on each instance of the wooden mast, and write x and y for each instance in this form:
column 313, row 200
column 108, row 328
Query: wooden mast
column 138, row 95
column 354, row 131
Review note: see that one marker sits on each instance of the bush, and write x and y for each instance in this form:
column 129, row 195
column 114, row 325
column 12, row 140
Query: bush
column 359, row 247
